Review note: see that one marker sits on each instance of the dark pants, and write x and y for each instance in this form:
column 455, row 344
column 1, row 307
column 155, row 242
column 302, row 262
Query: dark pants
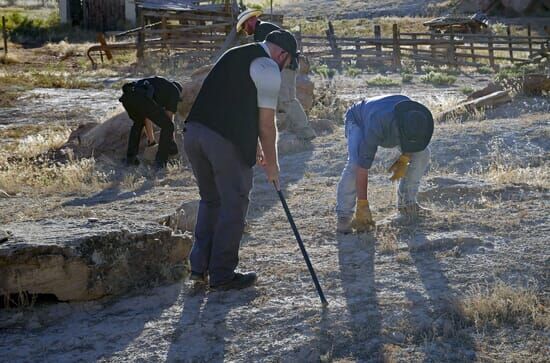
column 224, row 182
column 139, row 107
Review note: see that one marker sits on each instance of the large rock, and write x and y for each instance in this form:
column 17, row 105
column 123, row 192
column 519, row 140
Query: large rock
column 83, row 260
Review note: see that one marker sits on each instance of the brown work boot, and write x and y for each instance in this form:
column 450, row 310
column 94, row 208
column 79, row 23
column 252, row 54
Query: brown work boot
column 343, row 225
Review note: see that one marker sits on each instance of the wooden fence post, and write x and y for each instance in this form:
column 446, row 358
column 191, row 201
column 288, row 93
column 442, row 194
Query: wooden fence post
column 164, row 27
column 491, row 51
column 415, row 53
column 432, row 45
column 377, row 36
column 451, row 54
column 529, row 40
column 510, row 49
column 359, row 59
column 5, row 35
column 332, row 42
column 141, row 37
column 472, row 51
column 396, row 48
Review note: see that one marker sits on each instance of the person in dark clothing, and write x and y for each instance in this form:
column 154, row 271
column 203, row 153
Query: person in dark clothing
column 288, row 106
column 230, row 128
column 155, row 100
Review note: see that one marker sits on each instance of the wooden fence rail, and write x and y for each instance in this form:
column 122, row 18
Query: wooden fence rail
column 453, row 49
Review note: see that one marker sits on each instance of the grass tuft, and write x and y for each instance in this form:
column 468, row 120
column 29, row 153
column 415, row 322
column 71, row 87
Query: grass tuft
column 383, row 81
column 438, row 78
column 505, row 305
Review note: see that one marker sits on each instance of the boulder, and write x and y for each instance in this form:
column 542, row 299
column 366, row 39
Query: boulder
column 184, row 218
column 79, row 260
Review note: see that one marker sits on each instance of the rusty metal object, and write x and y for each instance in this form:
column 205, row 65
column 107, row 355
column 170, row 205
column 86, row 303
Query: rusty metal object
column 459, row 24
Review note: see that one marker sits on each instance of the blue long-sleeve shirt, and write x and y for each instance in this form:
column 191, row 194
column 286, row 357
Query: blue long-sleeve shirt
column 375, row 118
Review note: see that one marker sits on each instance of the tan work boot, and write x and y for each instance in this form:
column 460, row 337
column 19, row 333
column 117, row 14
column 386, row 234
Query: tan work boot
column 414, row 210
column 343, row 225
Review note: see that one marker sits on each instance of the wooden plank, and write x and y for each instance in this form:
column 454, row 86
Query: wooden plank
column 378, row 36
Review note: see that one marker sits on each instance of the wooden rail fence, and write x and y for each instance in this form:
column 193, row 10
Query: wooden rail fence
column 451, row 49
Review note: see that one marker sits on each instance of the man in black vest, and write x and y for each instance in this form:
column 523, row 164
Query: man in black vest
column 288, row 105
column 153, row 99
column 230, row 127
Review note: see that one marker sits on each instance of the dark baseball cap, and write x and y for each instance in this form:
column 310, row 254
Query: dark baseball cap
column 416, row 125
column 286, row 41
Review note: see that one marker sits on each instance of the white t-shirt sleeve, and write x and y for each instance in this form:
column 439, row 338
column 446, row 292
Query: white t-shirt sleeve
column 267, row 78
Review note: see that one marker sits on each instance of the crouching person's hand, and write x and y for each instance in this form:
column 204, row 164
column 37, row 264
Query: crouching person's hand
column 362, row 220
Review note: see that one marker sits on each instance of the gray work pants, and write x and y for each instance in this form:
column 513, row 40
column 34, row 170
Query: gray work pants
column 224, row 182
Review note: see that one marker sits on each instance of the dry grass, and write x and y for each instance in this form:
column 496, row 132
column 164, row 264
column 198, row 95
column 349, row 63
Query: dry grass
column 387, row 240
column 75, row 176
column 9, row 59
column 65, row 50
column 358, row 27
column 25, row 171
column 506, row 174
column 505, row 305
column 44, row 79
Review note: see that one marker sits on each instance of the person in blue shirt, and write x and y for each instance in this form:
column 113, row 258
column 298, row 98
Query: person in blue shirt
column 391, row 121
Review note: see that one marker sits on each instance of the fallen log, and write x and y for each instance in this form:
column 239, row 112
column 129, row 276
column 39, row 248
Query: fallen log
column 492, row 100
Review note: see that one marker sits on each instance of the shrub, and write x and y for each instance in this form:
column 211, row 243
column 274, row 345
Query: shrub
column 383, row 81
column 467, row 90
column 438, row 78
column 406, row 77
column 324, row 71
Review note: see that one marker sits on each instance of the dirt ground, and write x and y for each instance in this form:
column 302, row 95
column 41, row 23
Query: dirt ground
column 394, row 294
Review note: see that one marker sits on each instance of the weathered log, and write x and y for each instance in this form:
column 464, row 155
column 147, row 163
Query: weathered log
column 492, row 100
column 491, row 88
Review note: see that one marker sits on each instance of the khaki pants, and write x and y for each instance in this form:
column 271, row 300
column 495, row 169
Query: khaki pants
column 289, row 105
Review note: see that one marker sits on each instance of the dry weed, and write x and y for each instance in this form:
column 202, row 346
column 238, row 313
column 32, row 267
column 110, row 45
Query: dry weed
column 503, row 304
column 403, row 258
column 507, row 174
column 9, row 59
column 387, row 239
column 26, row 170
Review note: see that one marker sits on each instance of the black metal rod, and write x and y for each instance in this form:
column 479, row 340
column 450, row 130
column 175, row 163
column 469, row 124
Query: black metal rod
column 302, row 247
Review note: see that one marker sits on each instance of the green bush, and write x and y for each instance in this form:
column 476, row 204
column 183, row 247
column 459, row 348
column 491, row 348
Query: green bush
column 406, row 77
column 323, row 70
column 467, row 90
column 485, row 70
column 383, row 81
column 438, row 79
column 352, row 71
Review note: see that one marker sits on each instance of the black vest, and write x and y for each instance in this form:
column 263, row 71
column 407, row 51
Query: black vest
column 227, row 101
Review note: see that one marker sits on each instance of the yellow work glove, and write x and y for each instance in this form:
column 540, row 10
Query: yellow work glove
column 399, row 168
column 362, row 221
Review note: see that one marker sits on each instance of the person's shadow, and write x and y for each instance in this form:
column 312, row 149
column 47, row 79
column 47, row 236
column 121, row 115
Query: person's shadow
column 201, row 333
column 109, row 195
column 435, row 315
column 356, row 255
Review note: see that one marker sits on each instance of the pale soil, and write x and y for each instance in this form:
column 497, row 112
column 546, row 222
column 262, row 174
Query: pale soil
column 389, row 291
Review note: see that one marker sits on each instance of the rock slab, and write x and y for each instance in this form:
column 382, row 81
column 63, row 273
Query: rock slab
column 78, row 260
